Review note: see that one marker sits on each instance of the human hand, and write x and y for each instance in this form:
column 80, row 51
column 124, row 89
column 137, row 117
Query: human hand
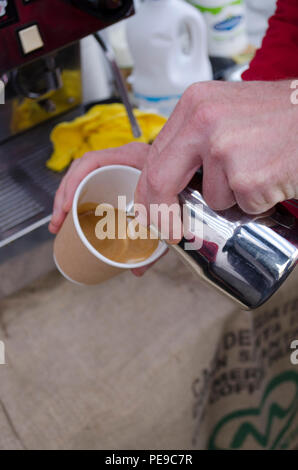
column 243, row 134
column 133, row 154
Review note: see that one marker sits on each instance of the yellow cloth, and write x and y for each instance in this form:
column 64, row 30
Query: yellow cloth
column 102, row 127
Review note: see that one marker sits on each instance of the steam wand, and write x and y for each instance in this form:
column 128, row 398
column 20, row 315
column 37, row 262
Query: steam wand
column 110, row 56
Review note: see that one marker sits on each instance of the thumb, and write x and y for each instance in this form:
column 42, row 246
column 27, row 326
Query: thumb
column 164, row 176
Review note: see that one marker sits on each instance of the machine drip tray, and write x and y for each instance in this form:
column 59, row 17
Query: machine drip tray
column 26, row 196
column 27, row 187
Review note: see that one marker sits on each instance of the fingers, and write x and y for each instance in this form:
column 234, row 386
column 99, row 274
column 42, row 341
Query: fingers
column 77, row 173
column 216, row 190
column 59, row 211
column 252, row 194
column 139, row 272
column 165, row 175
column 217, row 126
column 256, row 201
column 133, row 154
column 59, row 215
column 175, row 155
column 167, row 166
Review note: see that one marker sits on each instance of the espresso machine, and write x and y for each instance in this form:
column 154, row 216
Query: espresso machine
column 41, row 85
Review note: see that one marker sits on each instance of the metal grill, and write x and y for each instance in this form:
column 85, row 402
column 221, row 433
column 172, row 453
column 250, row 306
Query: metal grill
column 34, row 166
column 27, row 187
column 16, row 205
column 26, row 194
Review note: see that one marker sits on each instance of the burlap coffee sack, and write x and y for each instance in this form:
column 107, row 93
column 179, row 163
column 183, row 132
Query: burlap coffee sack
column 130, row 364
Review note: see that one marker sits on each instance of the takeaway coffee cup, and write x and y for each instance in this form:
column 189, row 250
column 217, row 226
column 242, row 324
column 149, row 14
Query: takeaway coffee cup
column 76, row 259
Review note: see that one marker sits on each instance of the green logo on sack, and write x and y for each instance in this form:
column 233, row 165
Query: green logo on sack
column 263, row 427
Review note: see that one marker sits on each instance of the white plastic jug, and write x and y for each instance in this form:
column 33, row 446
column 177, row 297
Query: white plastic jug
column 168, row 42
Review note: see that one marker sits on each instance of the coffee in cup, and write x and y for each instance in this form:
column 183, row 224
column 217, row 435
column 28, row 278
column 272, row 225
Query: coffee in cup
column 121, row 250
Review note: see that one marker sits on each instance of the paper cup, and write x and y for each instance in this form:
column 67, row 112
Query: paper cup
column 76, row 259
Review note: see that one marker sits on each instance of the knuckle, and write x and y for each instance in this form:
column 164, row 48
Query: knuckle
column 217, row 150
column 191, row 93
column 220, row 148
column 254, row 206
column 206, row 115
column 200, row 98
column 250, row 192
column 242, row 185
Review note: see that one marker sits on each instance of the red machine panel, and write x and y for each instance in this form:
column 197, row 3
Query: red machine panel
column 32, row 28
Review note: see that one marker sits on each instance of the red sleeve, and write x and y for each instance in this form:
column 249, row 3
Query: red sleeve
column 278, row 57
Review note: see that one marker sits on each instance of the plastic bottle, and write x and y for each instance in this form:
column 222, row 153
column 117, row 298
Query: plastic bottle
column 226, row 26
column 97, row 83
column 168, row 42
column 118, row 41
